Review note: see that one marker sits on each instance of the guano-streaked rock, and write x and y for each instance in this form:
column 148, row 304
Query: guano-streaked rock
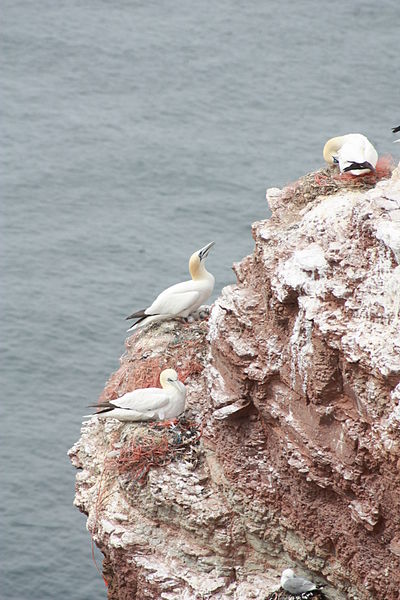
column 295, row 384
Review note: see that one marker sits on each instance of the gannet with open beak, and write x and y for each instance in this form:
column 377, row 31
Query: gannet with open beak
column 181, row 299
column 297, row 585
column 395, row 130
column 148, row 404
column 353, row 152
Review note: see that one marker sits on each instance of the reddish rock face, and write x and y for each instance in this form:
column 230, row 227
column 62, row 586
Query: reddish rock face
column 294, row 383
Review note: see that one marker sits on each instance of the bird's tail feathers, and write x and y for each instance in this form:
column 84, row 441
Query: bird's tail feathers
column 139, row 314
column 133, row 326
column 106, row 409
column 146, row 320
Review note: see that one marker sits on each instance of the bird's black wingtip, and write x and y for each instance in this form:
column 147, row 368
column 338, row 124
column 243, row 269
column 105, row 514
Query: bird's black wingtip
column 396, row 129
column 354, row 166
column 139, row 314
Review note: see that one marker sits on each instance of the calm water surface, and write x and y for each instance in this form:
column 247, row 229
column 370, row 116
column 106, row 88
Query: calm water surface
column 133, row 133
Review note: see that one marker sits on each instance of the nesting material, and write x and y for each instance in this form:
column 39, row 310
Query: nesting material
column 153, row 445
column 328, row 181
column 281, row 594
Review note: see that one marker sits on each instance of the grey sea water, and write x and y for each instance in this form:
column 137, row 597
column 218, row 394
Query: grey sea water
column 132, row 134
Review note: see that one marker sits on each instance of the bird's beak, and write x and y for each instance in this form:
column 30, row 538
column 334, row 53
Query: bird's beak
column 177, row 384
column 203, row 253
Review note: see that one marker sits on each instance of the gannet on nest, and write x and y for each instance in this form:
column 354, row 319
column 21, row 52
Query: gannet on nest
column 353, row 152
column 181, row 299
column 297, row 585
column 148, row 404
column 395, row 130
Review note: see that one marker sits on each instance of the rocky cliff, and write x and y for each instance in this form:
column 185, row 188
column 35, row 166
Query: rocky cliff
column 294, row 406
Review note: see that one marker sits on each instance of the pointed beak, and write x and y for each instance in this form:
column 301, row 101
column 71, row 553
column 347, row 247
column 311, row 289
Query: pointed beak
column 203, row 253
column 178, row 385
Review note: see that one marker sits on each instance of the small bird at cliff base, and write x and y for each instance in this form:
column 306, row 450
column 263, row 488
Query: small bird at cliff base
column 297, row 585
column 148, row 404
column 181, row 299
column 395, row 130
column 353, row 152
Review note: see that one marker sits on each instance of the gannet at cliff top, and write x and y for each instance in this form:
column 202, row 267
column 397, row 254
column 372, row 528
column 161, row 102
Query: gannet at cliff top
column 353, row 152
column 395, row 130
column 181, row 299
column 148, row 404
column 297, row 585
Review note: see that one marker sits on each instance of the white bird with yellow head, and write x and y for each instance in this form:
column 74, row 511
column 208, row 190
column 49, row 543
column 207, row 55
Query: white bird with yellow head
column 353, row 152
column 148, row 404
column 181, row 299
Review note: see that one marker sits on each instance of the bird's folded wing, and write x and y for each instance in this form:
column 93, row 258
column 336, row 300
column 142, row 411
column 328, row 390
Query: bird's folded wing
column 301, row 585
column 173, row 303
column 351, row 153
column 142, row 400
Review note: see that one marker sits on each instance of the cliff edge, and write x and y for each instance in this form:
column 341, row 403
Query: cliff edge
column 290, row 454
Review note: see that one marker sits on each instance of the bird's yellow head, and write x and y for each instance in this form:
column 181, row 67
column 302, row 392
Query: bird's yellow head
column 168, row 377
column 331, row 148
column 197, row 259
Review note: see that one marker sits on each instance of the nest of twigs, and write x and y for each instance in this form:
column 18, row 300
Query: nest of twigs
column 281, row 594
column 154, row 445
column 328, row 181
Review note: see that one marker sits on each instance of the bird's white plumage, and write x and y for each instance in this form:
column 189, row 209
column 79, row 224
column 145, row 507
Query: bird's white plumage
column 149, row 404
column 182, row 299
column 296, row 585
column 356, row 148
column 177, row 299
column 142, row 399
column 351, row 148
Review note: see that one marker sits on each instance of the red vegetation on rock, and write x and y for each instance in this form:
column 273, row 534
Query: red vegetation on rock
column 136, row 457
column 383, row 170
column 152, row 445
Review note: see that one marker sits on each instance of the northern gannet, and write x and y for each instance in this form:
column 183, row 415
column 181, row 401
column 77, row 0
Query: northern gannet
column 148, row 404
column 297, row 585
column 353, row 152
column 395, row 130
column 181, row 299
